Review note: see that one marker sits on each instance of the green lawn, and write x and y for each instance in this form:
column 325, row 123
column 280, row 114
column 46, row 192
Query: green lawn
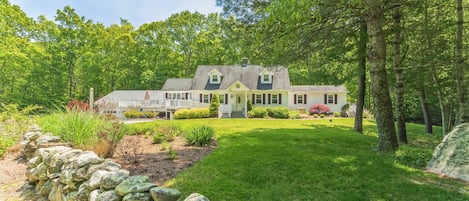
column 262, row 159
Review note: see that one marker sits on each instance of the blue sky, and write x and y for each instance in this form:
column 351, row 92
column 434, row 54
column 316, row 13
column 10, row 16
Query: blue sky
column 109, row 12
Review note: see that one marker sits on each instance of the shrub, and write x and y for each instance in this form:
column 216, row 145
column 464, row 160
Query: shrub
column 133, row 114
column 78, row 105
column 151, row 114
column 249, row 106
column 200, row 136
column 315, row 115
column 294, row 114
column 278, row 112
column 258, row 112
column 165, row 133
column 322, row 115
column 214, row 105
column 318, row 109
column 336, row 114
column 192, row 113
column 412, row 156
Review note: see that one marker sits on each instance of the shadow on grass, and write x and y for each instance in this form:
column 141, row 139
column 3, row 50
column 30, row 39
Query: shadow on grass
column 319, row 162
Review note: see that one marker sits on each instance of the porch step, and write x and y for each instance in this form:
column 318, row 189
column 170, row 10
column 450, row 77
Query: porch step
column 237, row 114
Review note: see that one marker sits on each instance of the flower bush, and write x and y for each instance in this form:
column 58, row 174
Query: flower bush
column 319, row 109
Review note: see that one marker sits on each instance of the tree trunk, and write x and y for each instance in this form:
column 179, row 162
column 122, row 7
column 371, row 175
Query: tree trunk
column 358, row 125
column 441, row 103
column 426, row 112
column 398, row 71
column 387, row 140
column 459, row 68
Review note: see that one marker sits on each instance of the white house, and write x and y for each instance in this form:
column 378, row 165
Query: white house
column 235, row 85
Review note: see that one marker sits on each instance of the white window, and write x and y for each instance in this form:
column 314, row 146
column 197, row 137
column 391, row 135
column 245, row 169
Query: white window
column 274, row 98
column 215, row 79
column 266, row 78
column 330, row 99
column 299, row 99
column 205, row 98
column 258, row 98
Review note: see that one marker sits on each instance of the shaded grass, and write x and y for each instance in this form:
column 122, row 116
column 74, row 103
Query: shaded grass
column 259, row 159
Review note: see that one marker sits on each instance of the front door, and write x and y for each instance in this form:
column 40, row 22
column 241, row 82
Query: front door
column 238, row 102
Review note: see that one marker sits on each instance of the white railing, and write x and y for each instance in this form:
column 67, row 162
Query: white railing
column 139, row 103
column 161, row 104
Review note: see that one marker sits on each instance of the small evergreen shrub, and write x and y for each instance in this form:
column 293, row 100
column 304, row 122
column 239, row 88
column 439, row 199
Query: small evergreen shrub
column 200, row 136
column 214, row 105
column 131, row 114
column 315, row 115
column 413, row 156
column 322, row 115
column 249, row 106
column 151, row 114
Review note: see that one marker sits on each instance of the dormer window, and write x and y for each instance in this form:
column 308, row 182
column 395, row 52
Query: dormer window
column 266, row 77
column 215, row 77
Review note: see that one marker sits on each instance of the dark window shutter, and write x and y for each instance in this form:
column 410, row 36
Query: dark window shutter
column 335, row 98
column 253, row 101
column 187, row 96
column 279, row 99
column 226, row 98
column 166, row 95
column 294, row 99
column 210, row 100
column 200, row 98
column 305, row 100
column 269, row 99
column 325, row 98
column 263, row 99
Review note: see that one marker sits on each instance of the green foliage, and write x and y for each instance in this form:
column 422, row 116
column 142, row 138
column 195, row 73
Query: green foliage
column 191, row 113
column 315, row 115
column 214, row 105
column 200, row 136
column 165, row 133
column 336, row 114
column 294, row 114
column 278, row 112
column 249, row 105
column 130, row 114
column 14, row 122
column 258, row 112
column 411, row 156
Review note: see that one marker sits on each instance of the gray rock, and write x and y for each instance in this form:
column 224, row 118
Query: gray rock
column 86, row 158
column 39, row 172
column 196, row 197
column 58, row 159
column 137, row 197
column 108, row 196
column 56, row 193
column 94, row 194
column 34, row 127
column 31, row 135
column 83, row 192
column 114, row 179
column 47, row 138
column 33, row 162
column 46, row 153
column 134, row 184
column 45, row 188
column 165, row 194
column 107, row 165
column 95, row 179
column 72, row 196
column 451, row 156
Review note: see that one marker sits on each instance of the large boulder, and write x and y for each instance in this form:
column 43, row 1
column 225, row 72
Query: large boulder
column 137, row 197
column 108, row 196
column 451, row 156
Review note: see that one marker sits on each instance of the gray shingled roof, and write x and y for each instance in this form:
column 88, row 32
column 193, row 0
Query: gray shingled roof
column 177, row 84
column 320, row 88
column 249, row 76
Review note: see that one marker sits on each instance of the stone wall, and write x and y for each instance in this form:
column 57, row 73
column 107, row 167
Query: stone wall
column 61, row 173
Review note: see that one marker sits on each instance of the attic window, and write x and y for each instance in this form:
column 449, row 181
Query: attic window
column 266, row 77
column 215, row 77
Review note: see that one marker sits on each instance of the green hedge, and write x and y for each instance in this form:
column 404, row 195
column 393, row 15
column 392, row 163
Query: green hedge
column 137, row 114
column 272, row 112
column 194, row 113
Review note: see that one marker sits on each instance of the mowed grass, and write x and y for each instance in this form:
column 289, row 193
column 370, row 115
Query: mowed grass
column 262, row 159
